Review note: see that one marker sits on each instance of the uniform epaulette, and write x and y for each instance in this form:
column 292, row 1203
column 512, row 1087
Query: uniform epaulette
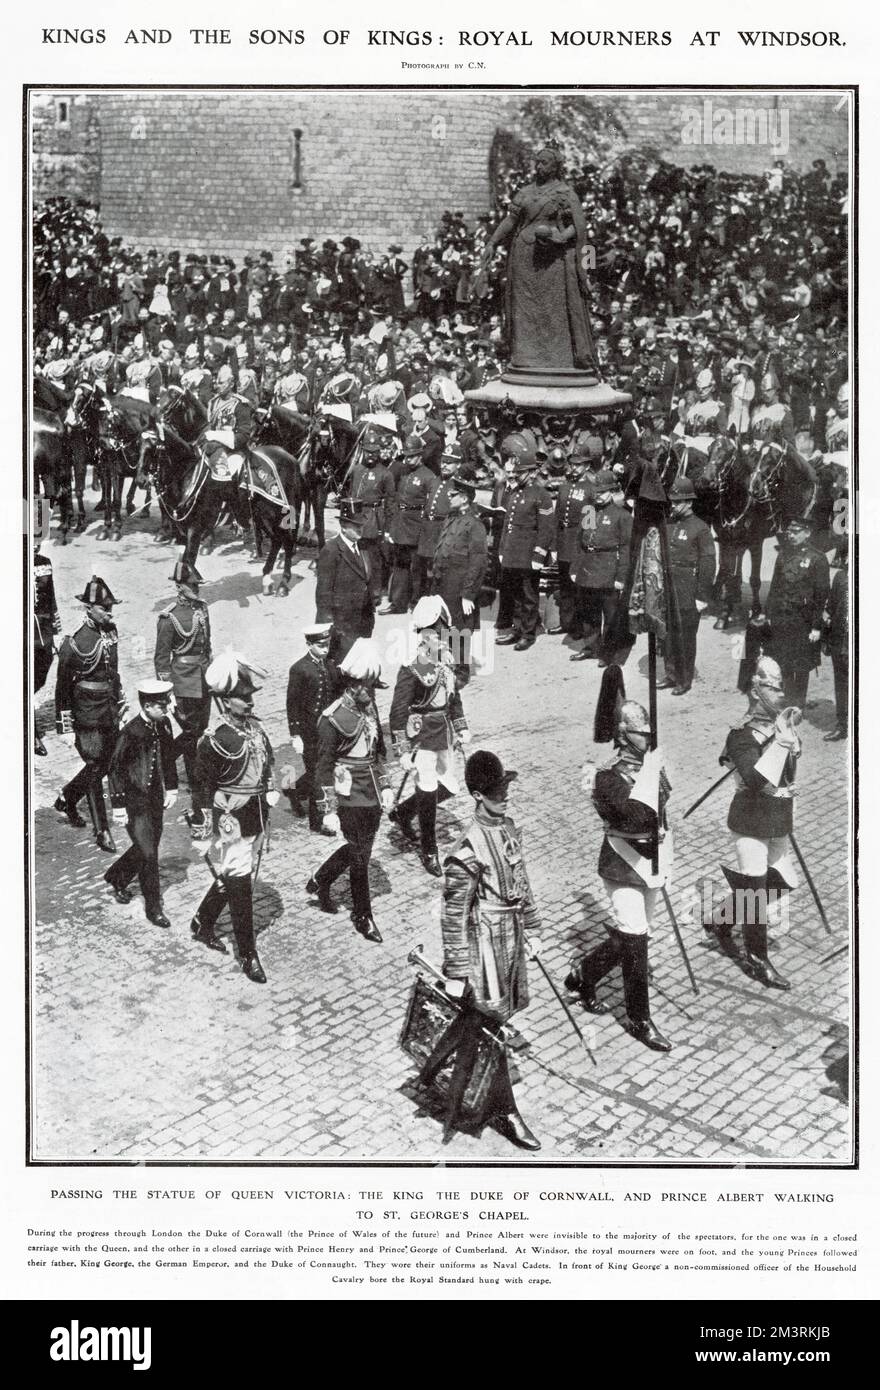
column 347, row 720
column 226, row 740
column 166, row 612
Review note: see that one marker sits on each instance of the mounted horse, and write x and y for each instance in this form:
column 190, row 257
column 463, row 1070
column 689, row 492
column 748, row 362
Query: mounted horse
column 193, row 489
column 49, row 442
column 326, row 462
column 272, row 481
column 125, row 439
column 83, row 422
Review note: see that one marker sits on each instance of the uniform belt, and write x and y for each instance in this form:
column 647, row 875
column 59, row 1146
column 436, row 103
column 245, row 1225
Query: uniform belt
column 238, row 789
column 93, row 685
column 355, row 762
column 634, row 837
column 405, row 508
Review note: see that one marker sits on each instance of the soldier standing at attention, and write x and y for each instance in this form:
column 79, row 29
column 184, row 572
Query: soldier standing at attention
column 88, row 705
column 143, row 785
column 234, row 765
column 599, row 567
column 313, row 683
column 182, row 656
column 459, row 569
column 692, row 565
column 526, row 537
column 798, row 594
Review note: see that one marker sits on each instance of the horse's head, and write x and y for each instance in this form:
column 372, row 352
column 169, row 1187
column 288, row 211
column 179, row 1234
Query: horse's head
column 768, row 471
column 85, row 404
column 719, row 460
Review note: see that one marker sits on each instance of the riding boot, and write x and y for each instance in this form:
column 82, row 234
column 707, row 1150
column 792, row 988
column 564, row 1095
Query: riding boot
column 426, row 806
column 98, row 813
column 402, row 816
column 209, row 909
column 754, row 932
column 746, row 904
column 239, row 891
column 634, row 955
column 594, row 967
column 723, row 919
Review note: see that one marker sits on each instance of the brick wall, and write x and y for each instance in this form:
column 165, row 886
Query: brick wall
column 201, row 172
column 65, row 147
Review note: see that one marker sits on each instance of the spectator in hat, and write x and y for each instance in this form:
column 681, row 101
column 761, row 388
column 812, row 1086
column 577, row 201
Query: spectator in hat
column 692, row 568
column 342, row 592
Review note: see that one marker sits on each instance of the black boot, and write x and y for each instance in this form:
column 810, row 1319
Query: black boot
column 202, row 925
column 402, row 816
column 723, row 931
column 634, row 958
column 594, row 967
column 426, row 804
column 317, row 886
column 366, row 927
column 68, row 809
column 757, row 959
column 750, row 897
column 239, row 891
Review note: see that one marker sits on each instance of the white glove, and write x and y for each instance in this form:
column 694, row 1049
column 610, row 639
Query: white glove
column 408, row 761
column 170, row 800
column 467, row 606
column 784, row 733
column 68, row 739
column 534, row 946
column 387, row 798
column 297, row 744
column 465, row 737
column 815, row 634
column 618, row 586
column 456, row 988
column 331, row 823
column 120, row 815
column 537, row 564
column 702, row 605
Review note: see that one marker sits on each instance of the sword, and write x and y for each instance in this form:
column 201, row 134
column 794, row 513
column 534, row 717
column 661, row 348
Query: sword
column 684, row 955
column 834, row 954
column 399, row 794
column 715, row 785
column 568, row 1013
column 811, row 885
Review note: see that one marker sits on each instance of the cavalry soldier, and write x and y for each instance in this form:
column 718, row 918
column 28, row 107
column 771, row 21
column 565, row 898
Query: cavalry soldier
column 313, row 683
column 772, row 421
column 692, row 566
column 230, row 424
column 372, row 490
column 630, row 793
column 575, row 492
column 291, row 387
column 354, row 789
column 599, row 567
column 797, row 598
column 182, row 656
column 46, row 624
column 459, row 568
column 403, row 532
column 143, row 785
column 524, row 547
column 488, row 906
column 764, row 750
column 343, row 594
column 88, row 705
column 427, row 723
column 194, row 377
column 234, row 765
column 707, row 417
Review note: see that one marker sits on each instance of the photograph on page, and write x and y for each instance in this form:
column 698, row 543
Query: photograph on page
column 437, row 616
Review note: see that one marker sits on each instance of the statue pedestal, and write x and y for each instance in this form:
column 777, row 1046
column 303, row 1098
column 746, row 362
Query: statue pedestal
column 557, row 405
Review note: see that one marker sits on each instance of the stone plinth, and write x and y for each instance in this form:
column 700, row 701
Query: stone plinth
column 556, row 406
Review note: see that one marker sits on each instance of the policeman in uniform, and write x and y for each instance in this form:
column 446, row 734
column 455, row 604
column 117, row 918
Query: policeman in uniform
column 230, row 424
column 524, row 547
column 313, row 683
column 406, row 521
column 798, row 594
column 182, row 656
column 459, row 568
column 354, row 788
column 488, row 906
column 575, row 492
column 630, row 793
column 372, row 491
column 427, row 723
column 88, row 705
column 692, row 565
column 764, row 750
column 599, row 567
column 234, row 765
column 46, row 624
column 437, row 506
column 343, row 594
column 143, row 784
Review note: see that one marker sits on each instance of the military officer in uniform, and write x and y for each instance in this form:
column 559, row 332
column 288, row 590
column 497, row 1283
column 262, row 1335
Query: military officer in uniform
column 406, row 521
column 599, row 567
column 707, row 417
column 143, row 785
column 764, row 751
column 459, row 569
column 437, row 505
column 234, row 765
column 46, row 624
column 526, row 537
column 372, row 490
column 772, row 421
column 427, row 723
column 88, row 705
column 194, row 377
column 182, row 656
column 313, row 683
column 291, row 387
column 343, row 595
column 230, row 425
column 630, row 793
column 488, row 907
column 692, row 565
column 575, row 492
column 354, row 788
column 795, row 603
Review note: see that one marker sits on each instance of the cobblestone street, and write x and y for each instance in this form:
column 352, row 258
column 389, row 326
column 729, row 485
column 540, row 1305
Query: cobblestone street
column 145, row 1046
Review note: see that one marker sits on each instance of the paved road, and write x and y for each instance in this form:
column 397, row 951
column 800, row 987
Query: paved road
column 146, row 1047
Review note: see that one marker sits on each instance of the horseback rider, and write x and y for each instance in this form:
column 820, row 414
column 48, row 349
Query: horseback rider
column 229, row 427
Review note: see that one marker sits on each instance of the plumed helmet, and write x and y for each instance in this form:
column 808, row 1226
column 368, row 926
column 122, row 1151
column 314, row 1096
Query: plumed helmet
column 191, row 353
column 420, row 401
column 363, row 661
column 769, row 382
column 139, row 373
column 767, row 674
column 230, row 675
column 384, row 397
column 337, row 352
column 632, row 718
column 224, row 374
column 484, row 772
column 96, row 591
column 430, row 609
column 705, row 378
